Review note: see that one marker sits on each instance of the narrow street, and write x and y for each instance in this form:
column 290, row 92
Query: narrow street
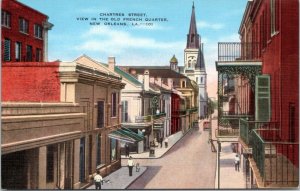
column 189, row 164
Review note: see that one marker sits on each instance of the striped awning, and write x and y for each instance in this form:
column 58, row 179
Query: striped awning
column 125, row 135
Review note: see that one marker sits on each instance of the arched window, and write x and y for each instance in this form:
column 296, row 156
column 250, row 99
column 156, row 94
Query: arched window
column 183, row 84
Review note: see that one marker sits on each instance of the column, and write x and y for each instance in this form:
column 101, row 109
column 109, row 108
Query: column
column 42, row 169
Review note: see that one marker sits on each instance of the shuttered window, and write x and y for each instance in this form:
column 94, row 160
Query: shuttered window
column 18, row 51
column 6, row 49
column 100, row 117
column 114, row 104
column 262, row 98
column 124, row 111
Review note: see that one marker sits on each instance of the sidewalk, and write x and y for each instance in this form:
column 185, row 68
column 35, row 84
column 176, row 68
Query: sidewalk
column 159, row 152
column 229, row 178
column 120, row 178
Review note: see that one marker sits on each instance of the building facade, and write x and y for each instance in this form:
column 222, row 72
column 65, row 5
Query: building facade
column 265, row 93
column 24, row 33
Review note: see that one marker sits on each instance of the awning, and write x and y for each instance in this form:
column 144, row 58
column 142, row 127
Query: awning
column 125, row 135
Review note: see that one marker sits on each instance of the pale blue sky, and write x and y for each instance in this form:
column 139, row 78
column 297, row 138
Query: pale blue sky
column 217, row 20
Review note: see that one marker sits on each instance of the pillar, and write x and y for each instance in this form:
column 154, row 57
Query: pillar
column 42, row 169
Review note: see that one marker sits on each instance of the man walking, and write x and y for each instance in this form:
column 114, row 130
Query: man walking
column 98, row 180
column 130, row 165
column 237, row 162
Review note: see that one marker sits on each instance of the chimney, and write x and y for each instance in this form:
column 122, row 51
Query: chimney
column 152, row 80
column 146, row 80
column 141, row 78
column 170, row 83
column 111, row 63
column 158, row 81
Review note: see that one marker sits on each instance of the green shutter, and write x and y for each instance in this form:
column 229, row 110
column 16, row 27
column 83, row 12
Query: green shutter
column 262, row 98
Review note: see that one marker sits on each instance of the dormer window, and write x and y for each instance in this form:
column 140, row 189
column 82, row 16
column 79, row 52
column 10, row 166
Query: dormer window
column 183, row 84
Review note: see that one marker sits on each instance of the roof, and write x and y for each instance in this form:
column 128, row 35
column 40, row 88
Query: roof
column 91, row 63
column 174, row 59
column 156, row 71
column 200, row 59
column 193, row 37
column 128, row 76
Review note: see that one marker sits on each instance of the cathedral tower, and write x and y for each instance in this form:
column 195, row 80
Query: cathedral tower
column 194, row 64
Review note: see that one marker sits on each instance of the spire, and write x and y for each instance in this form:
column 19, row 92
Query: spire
column 200, row 59
column 193, row 37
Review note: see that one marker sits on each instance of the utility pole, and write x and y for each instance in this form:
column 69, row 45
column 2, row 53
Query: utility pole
column 219, row 149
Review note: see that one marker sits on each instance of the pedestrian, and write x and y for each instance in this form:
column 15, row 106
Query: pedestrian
column 160, row 141
column 98, row 180
column 237, row 162
column 166, row 142
column 126, row 150
column 130, row 165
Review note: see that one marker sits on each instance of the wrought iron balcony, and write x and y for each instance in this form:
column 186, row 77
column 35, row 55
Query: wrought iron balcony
column 269, row 130
column 228, row 125
column 157, row 116
column 277, row 161
column 193, row 110
column 237, row 51
column 143, row 119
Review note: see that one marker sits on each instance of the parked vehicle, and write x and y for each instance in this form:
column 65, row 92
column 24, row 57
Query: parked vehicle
column 206, row 125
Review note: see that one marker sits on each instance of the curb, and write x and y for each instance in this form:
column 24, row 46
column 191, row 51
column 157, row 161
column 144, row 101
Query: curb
column 136, row 178
column 167, row 150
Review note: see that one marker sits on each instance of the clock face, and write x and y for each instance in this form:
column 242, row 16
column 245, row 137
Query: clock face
column 191, row 61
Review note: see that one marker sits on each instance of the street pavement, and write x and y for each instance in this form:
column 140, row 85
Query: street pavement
column 120, row 179
column 189, row 164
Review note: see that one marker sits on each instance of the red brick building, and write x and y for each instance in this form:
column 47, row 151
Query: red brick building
column 24, row 33
column 265, row 96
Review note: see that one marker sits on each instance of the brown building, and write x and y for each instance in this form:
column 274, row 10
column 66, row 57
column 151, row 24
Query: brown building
column 52, row 144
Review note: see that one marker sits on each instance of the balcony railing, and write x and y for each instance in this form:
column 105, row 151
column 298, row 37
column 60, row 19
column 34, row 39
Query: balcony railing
column 268, row 130
column 143, row 119
column 229, row 125
column 157, row 116
column 237, row 51
column 276, row 161
column 193, row 110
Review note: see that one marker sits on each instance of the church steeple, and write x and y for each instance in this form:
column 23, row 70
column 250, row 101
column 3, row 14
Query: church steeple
column 193, row 37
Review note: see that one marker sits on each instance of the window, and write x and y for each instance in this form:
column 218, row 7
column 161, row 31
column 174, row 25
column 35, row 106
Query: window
column 18, row 51
column 38, row 31
column 197, row 79
column 114, row 104
column 6, row 49
column 23, row 25
column 38, row 57
column 124, row 111
column 5, row 19
column 201, row 79
column 292, row 123
column 98, row 147
column 273, row 15
column 28, row 53
column 113, row 149
column 192, row 38
column 82, row 160
column 100, row 117
column 183, row 84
